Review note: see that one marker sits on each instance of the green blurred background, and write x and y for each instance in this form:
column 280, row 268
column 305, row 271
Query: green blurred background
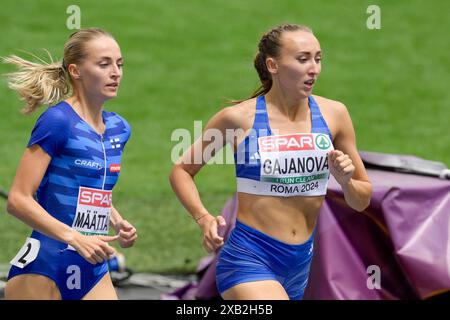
column 185, row 58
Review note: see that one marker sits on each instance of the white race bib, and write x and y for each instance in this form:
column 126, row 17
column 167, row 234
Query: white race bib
column 294, row 164
column 27, row 253
column 93, row 211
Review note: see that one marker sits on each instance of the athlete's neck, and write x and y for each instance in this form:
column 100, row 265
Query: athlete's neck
column 89, row 110
column 288, row 105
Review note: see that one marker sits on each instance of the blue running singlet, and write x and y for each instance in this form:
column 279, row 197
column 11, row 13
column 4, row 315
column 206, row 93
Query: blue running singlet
column 284, row 165
column 76, row 190
column 250, row 255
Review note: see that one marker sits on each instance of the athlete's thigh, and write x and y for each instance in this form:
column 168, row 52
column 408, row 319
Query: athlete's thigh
column 103, row 290
column 256, row 290
column 31, row 287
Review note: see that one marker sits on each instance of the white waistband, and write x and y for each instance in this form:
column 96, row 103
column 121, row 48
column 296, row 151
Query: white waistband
column 313, row 188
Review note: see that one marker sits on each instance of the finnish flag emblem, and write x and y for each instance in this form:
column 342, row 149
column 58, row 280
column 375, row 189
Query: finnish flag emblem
column 115, row 143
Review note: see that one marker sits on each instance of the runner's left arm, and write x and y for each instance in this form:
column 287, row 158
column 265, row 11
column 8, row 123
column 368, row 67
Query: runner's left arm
column 346, row 164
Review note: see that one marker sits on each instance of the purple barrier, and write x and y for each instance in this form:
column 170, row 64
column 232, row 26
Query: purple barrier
column 404, row 232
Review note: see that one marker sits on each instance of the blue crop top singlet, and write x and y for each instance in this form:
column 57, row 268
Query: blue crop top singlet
column 294, row 164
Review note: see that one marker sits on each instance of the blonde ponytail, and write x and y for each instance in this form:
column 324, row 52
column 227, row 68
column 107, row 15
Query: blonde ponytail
column 38, row 83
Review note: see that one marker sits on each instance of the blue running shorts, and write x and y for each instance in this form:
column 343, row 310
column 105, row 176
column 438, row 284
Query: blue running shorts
column 250, row 255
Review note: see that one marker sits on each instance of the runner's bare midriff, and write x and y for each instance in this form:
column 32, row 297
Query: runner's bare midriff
column 287, row 219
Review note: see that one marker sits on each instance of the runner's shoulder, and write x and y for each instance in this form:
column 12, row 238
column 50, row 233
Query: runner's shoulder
column 118, row 119
column 55, row 119
column 333, row 108
column 56, row 112
column 118, row 116
column 240, row 115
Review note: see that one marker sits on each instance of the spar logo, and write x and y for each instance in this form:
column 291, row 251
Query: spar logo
column 323, row 141
column 95, row 197
column 291, row 142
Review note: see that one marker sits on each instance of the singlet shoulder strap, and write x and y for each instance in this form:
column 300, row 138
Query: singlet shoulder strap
column 261, row 122
column 318, row 122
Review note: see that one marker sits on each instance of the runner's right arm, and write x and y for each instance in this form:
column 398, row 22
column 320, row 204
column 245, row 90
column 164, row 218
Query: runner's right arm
column 189, row 164
column 23, row 206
